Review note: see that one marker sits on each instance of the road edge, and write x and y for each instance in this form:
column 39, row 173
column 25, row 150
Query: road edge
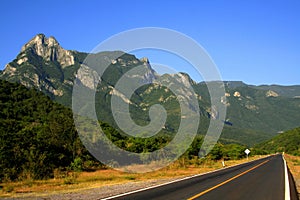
column 287, row 194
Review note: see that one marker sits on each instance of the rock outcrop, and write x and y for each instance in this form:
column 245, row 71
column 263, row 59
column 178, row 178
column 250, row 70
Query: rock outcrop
column 271, row 93
column 49, row 49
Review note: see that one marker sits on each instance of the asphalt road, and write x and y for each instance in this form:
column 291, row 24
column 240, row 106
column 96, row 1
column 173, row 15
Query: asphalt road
column 261, row 179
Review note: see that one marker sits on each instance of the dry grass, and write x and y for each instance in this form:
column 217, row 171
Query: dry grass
column 294, row 166
column 73, row 182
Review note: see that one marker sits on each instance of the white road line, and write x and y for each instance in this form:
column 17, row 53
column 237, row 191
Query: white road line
column 154, row 186
column 177, row 180
column 287, row 195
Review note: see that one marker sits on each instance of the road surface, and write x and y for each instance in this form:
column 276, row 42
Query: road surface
column 260, row 179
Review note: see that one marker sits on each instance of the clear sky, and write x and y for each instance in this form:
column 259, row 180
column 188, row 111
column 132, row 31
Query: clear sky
column 255, row 41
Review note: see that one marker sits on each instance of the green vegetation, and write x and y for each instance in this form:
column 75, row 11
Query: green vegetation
column 288, row 142
column 36, row 135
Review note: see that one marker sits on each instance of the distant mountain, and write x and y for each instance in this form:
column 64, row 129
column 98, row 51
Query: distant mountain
column 254, row 113
column 287, row 91
column 262, row 110
column 234, row 84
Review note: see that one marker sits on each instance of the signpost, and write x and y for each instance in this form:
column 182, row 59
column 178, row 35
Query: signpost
column 247, row 151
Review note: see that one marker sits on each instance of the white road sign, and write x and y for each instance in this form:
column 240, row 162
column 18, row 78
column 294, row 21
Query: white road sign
column 247, row 151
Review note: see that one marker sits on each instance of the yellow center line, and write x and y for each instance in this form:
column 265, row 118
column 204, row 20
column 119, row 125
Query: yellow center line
column 220, row 184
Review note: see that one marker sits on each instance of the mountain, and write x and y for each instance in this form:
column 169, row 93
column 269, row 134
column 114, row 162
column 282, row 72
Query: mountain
column 288, row 141
column 287, row 91
column 264, row 110
column 254, row 113
column 45, row 65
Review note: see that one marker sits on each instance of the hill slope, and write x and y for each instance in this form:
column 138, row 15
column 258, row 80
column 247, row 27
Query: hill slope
column 288, row 142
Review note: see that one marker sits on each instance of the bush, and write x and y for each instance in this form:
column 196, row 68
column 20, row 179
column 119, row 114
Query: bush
column 77, row 165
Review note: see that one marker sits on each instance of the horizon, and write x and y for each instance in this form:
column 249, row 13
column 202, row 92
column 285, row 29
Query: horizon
column 254, row 42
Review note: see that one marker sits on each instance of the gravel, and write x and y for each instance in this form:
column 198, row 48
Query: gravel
column 96, row 193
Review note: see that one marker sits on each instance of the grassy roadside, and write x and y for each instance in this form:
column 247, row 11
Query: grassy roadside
column 76, row 182
column 293, row 163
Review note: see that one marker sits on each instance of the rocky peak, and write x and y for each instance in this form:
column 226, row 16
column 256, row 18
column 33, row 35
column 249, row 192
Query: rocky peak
column 39, row 43
column 145, row 60
column 49, row 49
column 186, row 78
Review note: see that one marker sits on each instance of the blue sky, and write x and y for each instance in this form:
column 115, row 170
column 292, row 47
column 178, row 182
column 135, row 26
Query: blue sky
column 255, row 41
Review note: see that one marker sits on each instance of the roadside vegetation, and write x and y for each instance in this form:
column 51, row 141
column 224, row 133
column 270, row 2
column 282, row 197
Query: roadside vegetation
column 77, row 181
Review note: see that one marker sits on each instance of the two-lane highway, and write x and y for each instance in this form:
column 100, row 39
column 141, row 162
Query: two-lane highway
column 260, row 179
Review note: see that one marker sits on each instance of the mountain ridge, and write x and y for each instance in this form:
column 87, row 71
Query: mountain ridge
column 45, row 65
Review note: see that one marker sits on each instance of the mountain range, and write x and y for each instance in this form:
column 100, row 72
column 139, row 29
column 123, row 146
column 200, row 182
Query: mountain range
column 254, row 113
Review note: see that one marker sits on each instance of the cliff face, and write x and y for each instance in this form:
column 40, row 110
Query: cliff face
column 49, row 49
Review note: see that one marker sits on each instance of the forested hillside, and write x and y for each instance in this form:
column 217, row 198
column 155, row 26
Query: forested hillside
column 36, row 134
column 288, row 142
